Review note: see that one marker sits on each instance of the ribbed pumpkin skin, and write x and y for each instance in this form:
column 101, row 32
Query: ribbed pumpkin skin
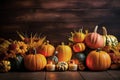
column 94, row 40
column 78, row 47
column 97, row 61
column 35, row 62
column 64, row 52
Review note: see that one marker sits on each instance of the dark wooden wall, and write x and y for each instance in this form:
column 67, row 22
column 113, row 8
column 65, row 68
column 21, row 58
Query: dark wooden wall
column 57, row 18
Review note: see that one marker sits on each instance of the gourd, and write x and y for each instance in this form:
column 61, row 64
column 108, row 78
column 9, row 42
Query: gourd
column 94, row 40
column 78, row 47
column 72, row 66
column 17, row 63
column 50, row 67
column 77, row 36
column 5, row 66
column 62, row 66
column 109, row 40
column 98, row 60
column 47, row 49
column 34, row 61
column 64, row 52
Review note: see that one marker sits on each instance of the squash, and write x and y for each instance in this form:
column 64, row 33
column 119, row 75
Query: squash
column 62, row 66
column 47, row 49
column 52, row 59
column 79, row 57
column 77, row 36
column 98, row 60
column 17, row 63
column 94, row 40
column 109, row 40
column 64, row 52
column 78, row 47
column 50, row 67
column 5, row 66
column 72, row 66
column 34, row 61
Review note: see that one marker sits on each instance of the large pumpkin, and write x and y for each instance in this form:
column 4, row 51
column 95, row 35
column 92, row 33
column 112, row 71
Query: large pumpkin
column 47, row 49
column 77, row 36
column 35, row 62
column 109, row 40
column 98, row 60
column 94, row 40
column 64, row 52
column 78, row 47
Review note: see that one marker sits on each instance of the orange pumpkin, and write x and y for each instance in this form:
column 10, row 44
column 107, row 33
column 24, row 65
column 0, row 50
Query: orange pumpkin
column 64, row 52
column 94, row 40
column 35, row 62
column 78, row 47
column 77, row 36
column 98, row 60
column 47, row 49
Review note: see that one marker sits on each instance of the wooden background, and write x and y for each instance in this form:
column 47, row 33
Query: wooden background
column 57, row 18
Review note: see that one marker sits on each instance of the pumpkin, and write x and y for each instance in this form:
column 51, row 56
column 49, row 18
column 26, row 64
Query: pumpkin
column 98, row 60
column 109, row 40
column 5, row 66
column 78, row 47
column 79, row 57
column 64, row 52
column 72, row 66
column 94, row 40
column 50, row 67
column 77, row 36
column 47, row 49
column 17, row 63
column 52, row 59
column 34, row 61
column 62, row 66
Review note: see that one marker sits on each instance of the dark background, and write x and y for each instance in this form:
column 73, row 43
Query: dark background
column 57, row 18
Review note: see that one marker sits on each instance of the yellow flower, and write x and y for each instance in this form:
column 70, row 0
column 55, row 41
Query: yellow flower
column 21, row 47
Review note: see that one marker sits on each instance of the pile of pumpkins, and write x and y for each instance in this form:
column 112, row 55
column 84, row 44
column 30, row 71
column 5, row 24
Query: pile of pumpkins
column 84, row 51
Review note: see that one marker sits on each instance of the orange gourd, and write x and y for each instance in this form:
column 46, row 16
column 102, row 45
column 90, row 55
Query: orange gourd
column 94, row 40
column 77, row 36
column 64, row 52
column 78, row 47
column 35, row 62
column 47, row 49
column 98, row 60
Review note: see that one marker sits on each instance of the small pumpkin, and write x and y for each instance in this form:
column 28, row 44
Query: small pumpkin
column 94, row 40
column 77, row 36
column 50, row 67
column 98, row 60
column 47, row 49
column 62, row 66
column 5, row 66
column 17, row 63
column 34, row 61
column 64, row 52
column 78, row 47
column 109, row 40
column 72, row 66
column 79, row 57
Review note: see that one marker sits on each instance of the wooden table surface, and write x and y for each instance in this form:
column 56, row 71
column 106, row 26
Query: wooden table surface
column 67, row 75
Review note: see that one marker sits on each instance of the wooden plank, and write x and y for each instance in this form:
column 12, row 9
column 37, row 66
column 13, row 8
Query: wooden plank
column 63, row 76
column 23, row 76
column 115, row 74
column 89, row 75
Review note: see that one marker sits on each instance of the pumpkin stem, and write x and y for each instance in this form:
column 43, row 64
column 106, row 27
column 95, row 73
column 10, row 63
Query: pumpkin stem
column 47, row 42
column 62, row 43
column 98, row 49
column 86, row 32
column 104, row 31
column 95, row 30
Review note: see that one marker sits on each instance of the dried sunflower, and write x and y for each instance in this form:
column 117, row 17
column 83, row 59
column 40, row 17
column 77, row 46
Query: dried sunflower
column 21, row 47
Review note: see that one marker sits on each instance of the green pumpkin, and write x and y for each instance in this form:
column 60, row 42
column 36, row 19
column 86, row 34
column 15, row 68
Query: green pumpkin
column 80, row 56
column 17, row 63
column 53, row 59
